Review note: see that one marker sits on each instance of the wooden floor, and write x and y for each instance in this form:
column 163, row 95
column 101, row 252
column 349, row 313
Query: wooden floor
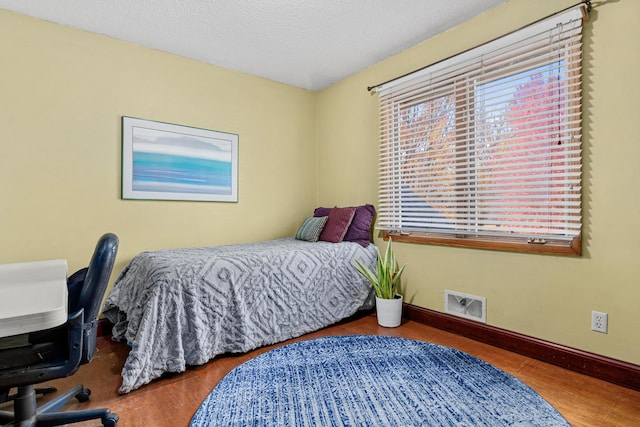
column 172, row 401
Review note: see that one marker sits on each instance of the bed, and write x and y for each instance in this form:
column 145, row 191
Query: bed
column 183, row 307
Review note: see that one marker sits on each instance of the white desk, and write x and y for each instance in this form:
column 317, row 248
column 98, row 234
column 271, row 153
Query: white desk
column 33, row 296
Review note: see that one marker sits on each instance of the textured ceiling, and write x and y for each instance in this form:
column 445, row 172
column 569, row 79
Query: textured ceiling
column 304, row 43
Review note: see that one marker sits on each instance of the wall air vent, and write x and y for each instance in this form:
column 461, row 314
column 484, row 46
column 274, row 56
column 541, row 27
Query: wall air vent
column 465, row 305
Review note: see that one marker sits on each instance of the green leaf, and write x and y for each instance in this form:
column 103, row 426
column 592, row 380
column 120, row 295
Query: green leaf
column 386, row 280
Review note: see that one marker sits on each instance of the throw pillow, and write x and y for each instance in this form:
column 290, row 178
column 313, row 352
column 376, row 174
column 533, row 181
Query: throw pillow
column 321, row 212
column 338, row 222
column 360, row 229
column 311, row 228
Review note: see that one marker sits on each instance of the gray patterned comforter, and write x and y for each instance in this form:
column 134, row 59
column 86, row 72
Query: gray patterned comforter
column 183, row 307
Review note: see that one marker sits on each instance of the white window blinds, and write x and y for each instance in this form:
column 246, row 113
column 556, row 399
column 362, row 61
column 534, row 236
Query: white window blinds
column 488, row 143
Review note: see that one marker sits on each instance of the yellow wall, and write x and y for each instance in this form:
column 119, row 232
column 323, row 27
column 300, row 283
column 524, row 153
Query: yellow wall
column 549, row 297
column 62, row 95
column 63, row 92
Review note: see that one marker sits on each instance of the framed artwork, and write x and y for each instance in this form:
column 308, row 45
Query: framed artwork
column 162, row 161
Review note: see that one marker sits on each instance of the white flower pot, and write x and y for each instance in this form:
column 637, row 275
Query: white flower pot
column 389, row 311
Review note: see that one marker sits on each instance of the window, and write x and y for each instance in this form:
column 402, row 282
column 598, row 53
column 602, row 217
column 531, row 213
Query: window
column 483, row 149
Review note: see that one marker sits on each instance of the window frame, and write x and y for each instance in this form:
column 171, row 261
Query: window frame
column 466, row 90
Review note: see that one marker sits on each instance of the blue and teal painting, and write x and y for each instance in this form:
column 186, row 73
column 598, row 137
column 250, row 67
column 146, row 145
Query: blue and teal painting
column 168, row 162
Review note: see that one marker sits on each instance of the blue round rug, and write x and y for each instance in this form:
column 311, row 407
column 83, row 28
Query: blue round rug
column 372, row 381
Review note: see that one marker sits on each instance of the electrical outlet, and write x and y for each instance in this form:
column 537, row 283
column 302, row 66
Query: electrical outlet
column 599, row 321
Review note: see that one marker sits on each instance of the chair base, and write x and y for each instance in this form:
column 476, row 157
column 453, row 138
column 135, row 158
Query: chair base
column 5, row 396
column 27, row 414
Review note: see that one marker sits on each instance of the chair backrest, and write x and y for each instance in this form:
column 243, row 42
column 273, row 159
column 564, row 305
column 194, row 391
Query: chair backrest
column 93, row 289
column 98, row 274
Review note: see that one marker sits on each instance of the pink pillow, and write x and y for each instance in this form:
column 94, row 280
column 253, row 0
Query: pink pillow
column 337, row 224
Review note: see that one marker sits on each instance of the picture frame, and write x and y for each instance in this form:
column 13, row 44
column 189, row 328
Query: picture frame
column 163, row 161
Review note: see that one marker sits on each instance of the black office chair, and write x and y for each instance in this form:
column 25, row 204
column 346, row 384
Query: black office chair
column 59, row 352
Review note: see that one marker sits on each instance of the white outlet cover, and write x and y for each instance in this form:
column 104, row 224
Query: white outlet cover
column 599, row 321
column 465, row 305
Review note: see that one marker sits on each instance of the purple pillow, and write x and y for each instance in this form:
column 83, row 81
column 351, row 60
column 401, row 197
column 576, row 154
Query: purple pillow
column 321, row 212
column 359, row 230
column 337, row 224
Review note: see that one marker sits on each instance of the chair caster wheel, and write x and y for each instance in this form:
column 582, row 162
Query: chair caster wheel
column 110, row 420
column 83, row 396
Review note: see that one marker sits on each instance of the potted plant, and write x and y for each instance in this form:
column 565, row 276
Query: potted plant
column 385, row 281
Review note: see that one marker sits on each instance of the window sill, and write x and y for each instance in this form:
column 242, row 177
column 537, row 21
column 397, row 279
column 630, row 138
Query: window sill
column 573, row 248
